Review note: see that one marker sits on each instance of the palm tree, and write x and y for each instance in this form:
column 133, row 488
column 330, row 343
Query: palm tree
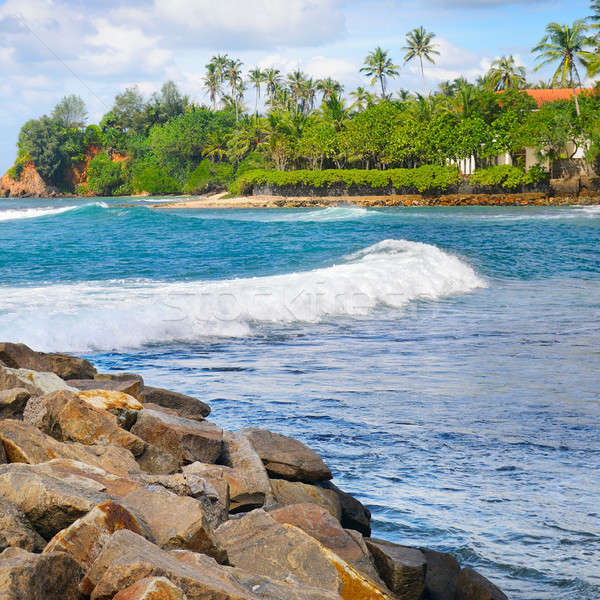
column 296, row 84
column 212, row 83
column 595, row 17
column 329, row 86
column 221, row 61
column 272, row 80
column 567, row 46
column 378, row 66
column 309, row 92
column 233, row 74
column 504, row 74
column 256, row 77
column 419, row 44
column 335, row 111
column 362, row 98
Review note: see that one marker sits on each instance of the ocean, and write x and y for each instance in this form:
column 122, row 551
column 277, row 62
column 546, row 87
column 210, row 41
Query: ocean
column 445, row 362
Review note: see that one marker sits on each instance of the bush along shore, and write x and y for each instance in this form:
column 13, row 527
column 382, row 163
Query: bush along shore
column 110, row 488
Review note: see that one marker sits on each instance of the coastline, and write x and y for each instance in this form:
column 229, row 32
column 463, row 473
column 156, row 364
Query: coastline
column 416, row 200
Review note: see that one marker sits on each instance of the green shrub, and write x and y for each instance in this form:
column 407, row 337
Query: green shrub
column 104, row 175
column 154, row 180
column 253, row 161
column 126, row 189
column 208, row 176
column 507, row 176
column 422, row 179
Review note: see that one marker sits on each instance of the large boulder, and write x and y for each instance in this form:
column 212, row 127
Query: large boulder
column 35, row 382
column 471, row 585
column 286, row 457
column 49, row 504
column 186, row 439
column 156, row 461
column 20, row 356
column 128, row 383
column 259, row 544
column 239, row 454
column 66, row 417
column 243, row 494
column 12, row 403
column 85, row 537
column 186, row 406
column 151, row 588
column 402, row 568
column 354, row 514
column 321, row 525
column 16, row 530
column 123, row 405
column 27, row 576
column 296, row 492
column 25, row 443
column 441, row 575
column 128, row 557
column 259, row 585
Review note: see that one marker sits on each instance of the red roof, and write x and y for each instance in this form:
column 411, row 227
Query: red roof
column 552, row 95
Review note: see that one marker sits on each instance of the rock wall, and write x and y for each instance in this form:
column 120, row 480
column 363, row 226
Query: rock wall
column 29, row 185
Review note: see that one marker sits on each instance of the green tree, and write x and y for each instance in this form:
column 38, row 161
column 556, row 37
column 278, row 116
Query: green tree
column 272, row 81
column 379, row 66
column 256, row 77
column 70, row 112
column 104, row 175
column 505, row 74
column 329, row 86
column 419, row 44
column 42, row 139
column 567, row 46
column 212, row 83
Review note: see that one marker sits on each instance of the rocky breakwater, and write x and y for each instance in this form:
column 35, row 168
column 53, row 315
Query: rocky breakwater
column 111, row 489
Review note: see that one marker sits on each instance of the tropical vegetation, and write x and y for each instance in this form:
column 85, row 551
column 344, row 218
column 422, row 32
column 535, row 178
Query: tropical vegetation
column 260, row 126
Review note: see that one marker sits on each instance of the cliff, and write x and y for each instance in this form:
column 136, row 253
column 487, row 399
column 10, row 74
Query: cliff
column 29, row 185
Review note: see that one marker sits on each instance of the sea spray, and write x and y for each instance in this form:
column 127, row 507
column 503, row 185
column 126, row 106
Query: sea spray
column 131, row 313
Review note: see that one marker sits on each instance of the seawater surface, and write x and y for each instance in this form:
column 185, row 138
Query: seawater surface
column 445, row 362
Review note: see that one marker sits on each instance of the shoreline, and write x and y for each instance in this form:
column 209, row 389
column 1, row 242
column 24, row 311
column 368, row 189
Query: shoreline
column 413, row 200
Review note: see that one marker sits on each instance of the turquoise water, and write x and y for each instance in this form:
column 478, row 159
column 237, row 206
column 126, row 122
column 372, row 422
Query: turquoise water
column 445, row 362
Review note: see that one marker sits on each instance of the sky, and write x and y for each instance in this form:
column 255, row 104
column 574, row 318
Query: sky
column 97, row 48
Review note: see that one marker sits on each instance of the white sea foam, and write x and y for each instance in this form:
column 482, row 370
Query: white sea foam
column 16, row 214
column 125, row 314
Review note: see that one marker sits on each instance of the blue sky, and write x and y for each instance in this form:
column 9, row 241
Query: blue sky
column 49, row 48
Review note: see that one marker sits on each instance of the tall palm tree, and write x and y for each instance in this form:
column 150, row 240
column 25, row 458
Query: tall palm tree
column 567, row 46
column 296, row 81
column 221, row 62
column 419, row 44
column 378, row 66
column 233, row 74
column 256, row 77
column 212, row 85
column 334, row 110
column 309, row 93
column 505, row 74
column 272, row 80
column 329, row 86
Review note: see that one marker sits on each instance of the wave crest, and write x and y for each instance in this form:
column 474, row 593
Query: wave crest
column 122, row 314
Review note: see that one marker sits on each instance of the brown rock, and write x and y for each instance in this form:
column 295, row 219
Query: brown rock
column 120, row 404
column 186, row 406
column 321, row 525
column 242, row 493
column 175, row 521
column 239, row 454
column 296, row 492
column 15, row 529
column 186, row 439
column 260, row 586
column 441, row 575
column 12, row 403
column 28, row 576
column 157, row 461
column 286, row 457
column 259, row 544
column 151, row 588
column 130, row 383
column 128, row 557
column 402, row 568
column 25, row 443
column 85, row 538
column 35, row 382
column 20, row 356
column 126, row 386
column 69, row 418
column 48, row 503
column 471, row 585
column 354, row 514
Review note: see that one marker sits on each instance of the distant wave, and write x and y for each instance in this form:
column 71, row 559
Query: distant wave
column 131, row 313
column 16, row 214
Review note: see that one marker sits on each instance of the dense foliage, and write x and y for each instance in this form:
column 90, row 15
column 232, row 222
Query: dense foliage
column 168, row 144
